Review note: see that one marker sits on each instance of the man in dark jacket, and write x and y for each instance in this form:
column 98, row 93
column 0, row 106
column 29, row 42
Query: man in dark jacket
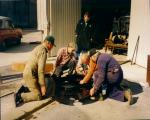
column 84, row 34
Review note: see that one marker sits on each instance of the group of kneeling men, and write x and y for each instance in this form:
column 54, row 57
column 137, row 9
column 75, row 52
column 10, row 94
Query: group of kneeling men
column 101, row 68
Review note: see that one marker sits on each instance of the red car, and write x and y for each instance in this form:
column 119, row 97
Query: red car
column 8, row 34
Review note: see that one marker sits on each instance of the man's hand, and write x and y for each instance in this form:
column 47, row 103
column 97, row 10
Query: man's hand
column 84, row 72
column 92, row 91
column 53, row 69
column 43, row 90
column 82, row 82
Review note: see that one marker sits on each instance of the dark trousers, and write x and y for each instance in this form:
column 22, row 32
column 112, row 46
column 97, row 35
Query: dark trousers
column 68, row 66
column 32, row 94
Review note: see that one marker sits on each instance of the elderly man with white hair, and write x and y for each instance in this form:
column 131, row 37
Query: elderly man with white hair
column 105, row 70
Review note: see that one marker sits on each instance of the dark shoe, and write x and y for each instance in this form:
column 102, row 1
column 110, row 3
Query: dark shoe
column 134, row 100
column 18, row 99
column 23, row 89
column 44, row 97
column 82, row 96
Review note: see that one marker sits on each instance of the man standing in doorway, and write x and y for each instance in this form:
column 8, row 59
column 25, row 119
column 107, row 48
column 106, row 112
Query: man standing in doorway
column 85, row 34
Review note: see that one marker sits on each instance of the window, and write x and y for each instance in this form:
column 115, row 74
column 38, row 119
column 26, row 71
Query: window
column 8, row 24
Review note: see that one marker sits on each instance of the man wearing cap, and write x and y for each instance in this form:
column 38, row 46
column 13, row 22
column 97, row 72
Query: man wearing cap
column 33, row 74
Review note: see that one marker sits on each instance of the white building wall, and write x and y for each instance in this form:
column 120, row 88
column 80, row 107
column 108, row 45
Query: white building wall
column 140, row 25
column 42, row 17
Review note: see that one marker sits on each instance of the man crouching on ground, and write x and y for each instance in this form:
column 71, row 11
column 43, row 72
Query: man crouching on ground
column 66, row 60
column 65, row 65
column 33, row 74
column 105, row 71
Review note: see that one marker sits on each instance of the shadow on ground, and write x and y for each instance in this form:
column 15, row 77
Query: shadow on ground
column 136, row 88
column 72, row 100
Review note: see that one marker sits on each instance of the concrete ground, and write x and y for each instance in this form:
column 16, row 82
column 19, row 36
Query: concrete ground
column 99, row 110
column 46, row 109
column 10, row 112
column 108, row 109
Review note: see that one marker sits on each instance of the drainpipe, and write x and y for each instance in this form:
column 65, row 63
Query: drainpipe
column 48, row 15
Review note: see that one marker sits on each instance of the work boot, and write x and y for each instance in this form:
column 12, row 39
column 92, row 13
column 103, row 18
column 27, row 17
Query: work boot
column 23, row 89
column 128, row 96
column 18, row 99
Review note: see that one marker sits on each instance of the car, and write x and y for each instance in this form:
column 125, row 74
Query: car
column 9, row 35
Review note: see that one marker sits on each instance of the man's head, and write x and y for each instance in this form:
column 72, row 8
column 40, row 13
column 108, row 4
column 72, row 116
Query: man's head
column 86, row 17
column 71, row 48
column 85, row 58
column 49, row 42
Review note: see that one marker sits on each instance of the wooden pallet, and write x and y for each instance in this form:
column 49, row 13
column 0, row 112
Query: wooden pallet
column 19, row 67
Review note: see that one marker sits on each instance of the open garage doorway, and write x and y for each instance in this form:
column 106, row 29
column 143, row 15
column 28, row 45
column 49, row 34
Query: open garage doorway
column 105, row 13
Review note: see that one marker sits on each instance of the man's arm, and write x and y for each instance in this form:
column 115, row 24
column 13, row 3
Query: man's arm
column 59, row 57
column 100, row 76
column 79, row 68
column 78, row 27
column 90, row 72
column 93, row 32
column 41, row 67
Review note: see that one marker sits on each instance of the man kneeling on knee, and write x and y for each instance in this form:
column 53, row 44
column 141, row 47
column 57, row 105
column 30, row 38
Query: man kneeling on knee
column 33, row 74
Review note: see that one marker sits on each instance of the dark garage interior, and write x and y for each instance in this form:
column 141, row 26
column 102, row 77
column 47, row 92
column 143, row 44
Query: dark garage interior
column 103, row 13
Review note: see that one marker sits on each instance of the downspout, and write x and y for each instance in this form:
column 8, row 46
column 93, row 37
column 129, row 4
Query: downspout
column 48, row 15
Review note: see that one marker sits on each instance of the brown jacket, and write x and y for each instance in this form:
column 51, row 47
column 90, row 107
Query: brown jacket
column 35, row 66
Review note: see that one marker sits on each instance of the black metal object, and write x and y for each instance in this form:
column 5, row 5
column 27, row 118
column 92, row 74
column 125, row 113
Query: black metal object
column 69, row 87
column 135, row 51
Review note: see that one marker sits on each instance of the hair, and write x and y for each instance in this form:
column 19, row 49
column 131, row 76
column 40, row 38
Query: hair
column 84, row 55
column 92, row 52
column 71, row 44
column 87, row 14
column 44, row 41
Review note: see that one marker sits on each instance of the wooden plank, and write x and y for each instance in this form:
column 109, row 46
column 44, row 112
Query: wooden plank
column 148, row 70
column 19, row 67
